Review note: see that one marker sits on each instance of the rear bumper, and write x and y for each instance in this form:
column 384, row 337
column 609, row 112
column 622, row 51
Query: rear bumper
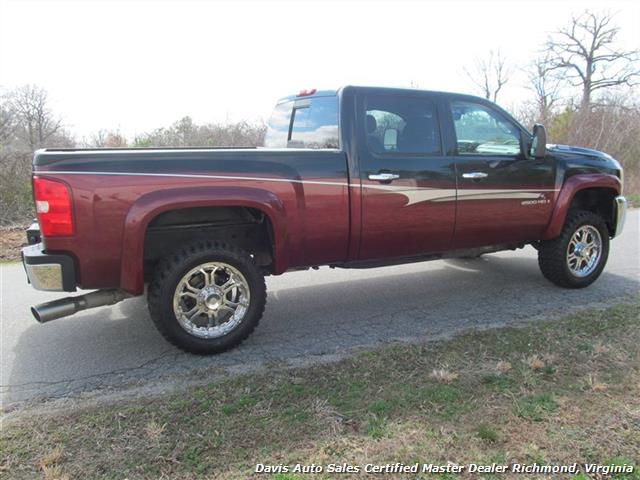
column 621, row 215
column 49, row 272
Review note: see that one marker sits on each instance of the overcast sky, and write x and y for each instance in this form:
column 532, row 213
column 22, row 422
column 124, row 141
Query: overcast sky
column 138, row 65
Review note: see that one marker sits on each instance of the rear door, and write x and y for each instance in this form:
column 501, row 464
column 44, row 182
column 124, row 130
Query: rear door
column 408, row 184
column 503, row 195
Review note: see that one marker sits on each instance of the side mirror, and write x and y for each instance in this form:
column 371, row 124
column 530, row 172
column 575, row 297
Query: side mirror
column 539, row 141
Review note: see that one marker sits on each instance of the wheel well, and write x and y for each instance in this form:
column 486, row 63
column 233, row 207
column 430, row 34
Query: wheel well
column 599, row 201
column 247, row 228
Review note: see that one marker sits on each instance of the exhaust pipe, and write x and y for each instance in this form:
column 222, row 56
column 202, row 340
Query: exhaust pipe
column 45, row 312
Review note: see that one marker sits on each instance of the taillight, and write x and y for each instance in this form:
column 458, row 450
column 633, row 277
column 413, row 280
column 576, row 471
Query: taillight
column 53, row 206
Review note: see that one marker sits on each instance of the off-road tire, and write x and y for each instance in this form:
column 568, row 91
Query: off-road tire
column 552, row 254
column 167, row 276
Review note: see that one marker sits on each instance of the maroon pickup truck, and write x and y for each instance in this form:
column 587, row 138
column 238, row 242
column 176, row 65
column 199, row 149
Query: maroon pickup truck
column 354, row 178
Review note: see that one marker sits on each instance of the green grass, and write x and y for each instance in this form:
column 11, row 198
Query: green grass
column 535, row 407
column 622, row 461
column 377, row 406
column 380, row 407
column 487, row 433
column 634, row 199
column 497, row 381
column 237, row 406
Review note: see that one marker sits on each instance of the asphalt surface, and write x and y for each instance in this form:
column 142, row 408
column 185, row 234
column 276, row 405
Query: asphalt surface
column 309, row 316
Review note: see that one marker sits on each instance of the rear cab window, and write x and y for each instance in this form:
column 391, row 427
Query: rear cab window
column 304, row 123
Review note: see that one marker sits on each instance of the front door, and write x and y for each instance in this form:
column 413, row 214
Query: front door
column 503, row 195
column 408, row 184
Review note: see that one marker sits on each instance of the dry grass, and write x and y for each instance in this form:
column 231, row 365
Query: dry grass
column 54, row 472
column 535, row 363
column 49, row 464
column 599, row 348
column 376, row 407
column 503, row 367
column 594, row 384
column 443, row 375
column 154, row 430
column 51, row 458
column 11, row 241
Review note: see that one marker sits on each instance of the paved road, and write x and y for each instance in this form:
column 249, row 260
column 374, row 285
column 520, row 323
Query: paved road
column 309, row 315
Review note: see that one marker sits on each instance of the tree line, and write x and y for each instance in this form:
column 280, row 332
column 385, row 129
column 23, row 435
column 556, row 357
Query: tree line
column 582, row 87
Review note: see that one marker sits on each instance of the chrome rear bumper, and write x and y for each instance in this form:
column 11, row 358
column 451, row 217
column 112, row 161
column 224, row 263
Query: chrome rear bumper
column 49, row 272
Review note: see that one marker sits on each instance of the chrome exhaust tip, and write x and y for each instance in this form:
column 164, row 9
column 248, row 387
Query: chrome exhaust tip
column 36, row 314
column 45, row 312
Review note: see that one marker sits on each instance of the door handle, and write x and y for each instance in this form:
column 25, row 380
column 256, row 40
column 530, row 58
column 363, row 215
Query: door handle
column 384, row 177
column 475, row 175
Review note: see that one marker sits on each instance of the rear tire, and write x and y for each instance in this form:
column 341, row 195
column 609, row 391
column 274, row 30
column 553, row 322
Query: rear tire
column 577, row 257
column 207, row 297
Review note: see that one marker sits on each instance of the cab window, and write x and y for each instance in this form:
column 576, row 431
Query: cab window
column 304, row 123
column 482, row 131
column 278, row 127
column 399, row 124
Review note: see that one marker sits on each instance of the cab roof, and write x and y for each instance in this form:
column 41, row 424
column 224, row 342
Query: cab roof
column 312, row 93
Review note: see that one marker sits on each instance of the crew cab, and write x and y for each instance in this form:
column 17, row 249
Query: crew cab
column 354, row 178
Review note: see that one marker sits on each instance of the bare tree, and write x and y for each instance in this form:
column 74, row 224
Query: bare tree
column 32, row 111
column 490, row 74
column 612, row 126
column 8, row 154
column 96, row 139
column 105, row 139
column 586, row 53
column 8, row 123
column 26, row 124
column 546, row 85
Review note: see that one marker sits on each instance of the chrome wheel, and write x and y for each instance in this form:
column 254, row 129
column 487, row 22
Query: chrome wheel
column 584, row 251
column 211, row 300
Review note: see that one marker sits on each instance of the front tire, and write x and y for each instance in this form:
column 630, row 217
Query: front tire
column 577, row 257
column 207, row 297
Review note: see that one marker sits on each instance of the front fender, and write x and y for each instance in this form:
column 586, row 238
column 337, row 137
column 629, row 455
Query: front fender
column 572, row 186
column 150, row 205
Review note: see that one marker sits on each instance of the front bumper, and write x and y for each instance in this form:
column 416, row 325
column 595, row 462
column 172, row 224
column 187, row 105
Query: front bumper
column 49, row 272
column 621, row 215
